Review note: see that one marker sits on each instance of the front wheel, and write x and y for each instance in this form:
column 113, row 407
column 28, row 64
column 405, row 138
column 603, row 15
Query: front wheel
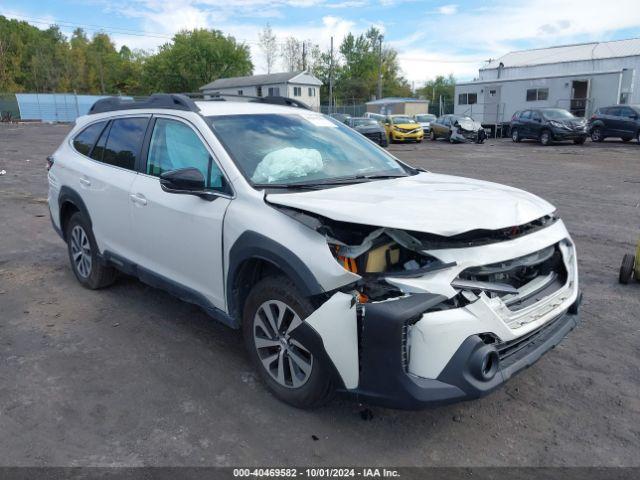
column 515, row 135
column 596, row 135
column 83, row 255
column 281, row 345
column 626, row 269
column 546, row 138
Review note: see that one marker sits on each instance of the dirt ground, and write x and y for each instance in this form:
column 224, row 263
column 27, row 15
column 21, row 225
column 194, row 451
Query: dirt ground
column 132, row 376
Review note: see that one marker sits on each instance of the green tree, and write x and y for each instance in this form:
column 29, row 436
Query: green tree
column 195, row 58
column 439, row 86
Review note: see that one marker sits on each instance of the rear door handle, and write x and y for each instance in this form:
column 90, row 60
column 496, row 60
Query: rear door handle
column 85, row 181
column 138, row 198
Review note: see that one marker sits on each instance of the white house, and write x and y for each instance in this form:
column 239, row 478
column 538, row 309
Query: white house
column 297, row 85
column 580, row 78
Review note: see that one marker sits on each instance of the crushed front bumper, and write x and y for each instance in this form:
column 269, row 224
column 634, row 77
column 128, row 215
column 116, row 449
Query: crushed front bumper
column 384, row 376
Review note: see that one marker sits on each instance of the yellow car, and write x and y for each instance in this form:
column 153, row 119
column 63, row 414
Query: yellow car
column 401, row 128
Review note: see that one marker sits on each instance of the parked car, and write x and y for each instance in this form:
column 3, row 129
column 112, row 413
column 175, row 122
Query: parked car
column 341, row 117
column 345, row 268
column 457, row 129
column 548, row 125
column 425, row 121
column 401, row 128
column 378, row 117
column 370, row 128
column 621, row 121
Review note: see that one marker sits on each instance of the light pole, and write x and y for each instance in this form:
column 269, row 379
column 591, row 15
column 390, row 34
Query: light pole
column 380, row 68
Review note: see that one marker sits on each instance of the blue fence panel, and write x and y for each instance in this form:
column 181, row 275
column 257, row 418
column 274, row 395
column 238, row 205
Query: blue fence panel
column 55, row 107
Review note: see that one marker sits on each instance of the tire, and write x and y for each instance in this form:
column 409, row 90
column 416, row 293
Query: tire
column 83, row 255
column 580, row 141
column 546, row 138
column 419, row 140
column 638, row 137
column 627, row 139
column 515, row 136
column 626, row 269
column 432, row 136
column 315, row 386
column 596, row 134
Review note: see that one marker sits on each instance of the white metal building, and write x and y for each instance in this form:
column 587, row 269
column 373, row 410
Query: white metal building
column 398, row 106
column 579, row 77
column 298, row 85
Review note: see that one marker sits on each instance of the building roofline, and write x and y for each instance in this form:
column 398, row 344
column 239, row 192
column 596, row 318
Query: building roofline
column 538, row 77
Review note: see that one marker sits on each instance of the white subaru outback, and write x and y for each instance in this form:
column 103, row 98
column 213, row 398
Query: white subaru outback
column 346, row 269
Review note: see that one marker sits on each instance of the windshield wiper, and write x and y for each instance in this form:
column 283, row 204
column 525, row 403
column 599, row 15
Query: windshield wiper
column 328, row 182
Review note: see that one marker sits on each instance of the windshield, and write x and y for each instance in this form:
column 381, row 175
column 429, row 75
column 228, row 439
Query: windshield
column 403, row 119
column 463, row 119
column 425, row 118
column 556, row 114
column 363, row 121
column 300, row 148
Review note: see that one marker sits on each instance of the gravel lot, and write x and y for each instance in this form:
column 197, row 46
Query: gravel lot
column 132, row 376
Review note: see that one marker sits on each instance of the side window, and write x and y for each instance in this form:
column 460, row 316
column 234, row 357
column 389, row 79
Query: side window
column 124, row 142
column 98, row 151
column 615, row 112
column 446, row 121
column 535, row 116
column 86, row 139
column 175, row 145
column 628, row 113
column 526, row 115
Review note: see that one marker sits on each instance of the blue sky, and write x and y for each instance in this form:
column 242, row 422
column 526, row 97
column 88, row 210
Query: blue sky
column 432, row 37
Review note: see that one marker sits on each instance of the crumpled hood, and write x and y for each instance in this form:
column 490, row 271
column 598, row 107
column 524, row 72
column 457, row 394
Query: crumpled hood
column 427, row 202
column 470, row 125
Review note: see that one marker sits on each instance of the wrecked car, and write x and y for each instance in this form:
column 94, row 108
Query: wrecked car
column 346, row 269
column 403, row 128
column 457, row 129
column 370, row 128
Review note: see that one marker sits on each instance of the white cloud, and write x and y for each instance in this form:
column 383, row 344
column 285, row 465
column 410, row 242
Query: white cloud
column 448, row 9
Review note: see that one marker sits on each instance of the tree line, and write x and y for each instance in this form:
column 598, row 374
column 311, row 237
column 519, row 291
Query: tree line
column 35, row 60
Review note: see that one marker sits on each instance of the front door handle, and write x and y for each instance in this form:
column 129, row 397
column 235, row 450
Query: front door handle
column 138, row 198
column 85, row 181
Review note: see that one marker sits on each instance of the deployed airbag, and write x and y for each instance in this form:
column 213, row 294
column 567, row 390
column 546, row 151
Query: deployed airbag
column 287, row 163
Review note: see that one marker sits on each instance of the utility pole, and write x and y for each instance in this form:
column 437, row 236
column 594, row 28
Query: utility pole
column 380, row 70
column 331, row 79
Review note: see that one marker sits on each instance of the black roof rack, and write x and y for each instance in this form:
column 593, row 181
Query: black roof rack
column 270, row 99
column 178, row 101
column 172, row 101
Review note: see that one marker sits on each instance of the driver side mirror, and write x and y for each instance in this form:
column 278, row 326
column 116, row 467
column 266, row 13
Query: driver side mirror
column 189, row 181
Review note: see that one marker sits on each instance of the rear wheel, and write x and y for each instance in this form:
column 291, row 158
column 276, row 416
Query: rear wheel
column 83, row 255
column 626, row 269
column 546, row 138
column 515, row 135
column 280, row 344
column 596, row 135
column 638, row 137
column 627, row 139
column 432, row 136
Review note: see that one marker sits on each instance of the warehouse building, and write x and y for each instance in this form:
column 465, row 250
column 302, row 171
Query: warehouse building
column 579, row 78
column 398, row 106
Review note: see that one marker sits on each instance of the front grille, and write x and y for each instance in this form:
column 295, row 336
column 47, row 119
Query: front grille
column 374, row 136
column 508, row 351
column 533, row 277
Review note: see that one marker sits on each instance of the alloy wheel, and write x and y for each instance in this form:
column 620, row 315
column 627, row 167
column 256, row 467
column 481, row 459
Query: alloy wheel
column 81, row 251
column 285, row 359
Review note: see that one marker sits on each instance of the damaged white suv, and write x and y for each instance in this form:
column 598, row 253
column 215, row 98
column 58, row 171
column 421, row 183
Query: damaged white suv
column 346, row 269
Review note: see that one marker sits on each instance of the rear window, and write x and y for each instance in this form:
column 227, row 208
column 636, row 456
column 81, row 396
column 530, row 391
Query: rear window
column 86, row 139
column 124, row 142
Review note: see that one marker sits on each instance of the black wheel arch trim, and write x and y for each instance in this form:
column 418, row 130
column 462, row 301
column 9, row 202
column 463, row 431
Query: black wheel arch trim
column 69, row 195
column 252, row 245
